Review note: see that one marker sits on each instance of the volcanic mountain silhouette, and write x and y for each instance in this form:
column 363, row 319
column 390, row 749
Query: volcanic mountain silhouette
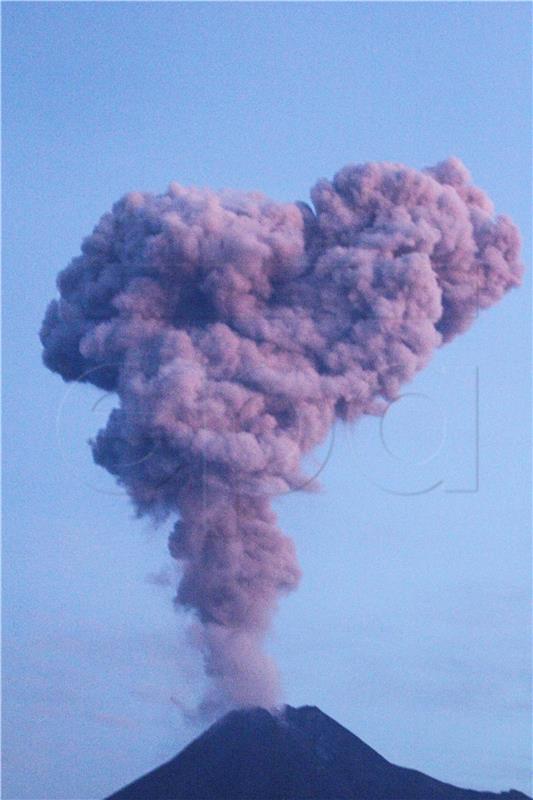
column 293, row 754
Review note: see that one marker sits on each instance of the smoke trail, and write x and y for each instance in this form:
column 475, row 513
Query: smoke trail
column 235, row 331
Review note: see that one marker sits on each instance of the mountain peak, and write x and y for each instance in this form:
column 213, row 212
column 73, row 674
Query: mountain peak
column 288, row 754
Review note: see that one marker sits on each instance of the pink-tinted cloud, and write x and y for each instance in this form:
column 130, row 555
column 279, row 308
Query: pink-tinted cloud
column 235, row 331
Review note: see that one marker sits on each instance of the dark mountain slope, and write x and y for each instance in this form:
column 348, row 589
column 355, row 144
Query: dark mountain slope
column 296, row 754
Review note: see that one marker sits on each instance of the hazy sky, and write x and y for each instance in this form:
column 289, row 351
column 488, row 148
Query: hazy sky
column 411, row 625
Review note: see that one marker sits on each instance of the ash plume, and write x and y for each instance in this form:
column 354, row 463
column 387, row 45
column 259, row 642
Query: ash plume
column 234, row 331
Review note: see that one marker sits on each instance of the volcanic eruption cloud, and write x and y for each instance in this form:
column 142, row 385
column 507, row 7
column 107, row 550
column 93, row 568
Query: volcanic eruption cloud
column 235, row 331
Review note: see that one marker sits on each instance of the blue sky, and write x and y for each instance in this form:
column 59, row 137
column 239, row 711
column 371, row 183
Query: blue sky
column 411, row 625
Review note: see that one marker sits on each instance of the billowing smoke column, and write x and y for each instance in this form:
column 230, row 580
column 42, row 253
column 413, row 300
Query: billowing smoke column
column 235, row 331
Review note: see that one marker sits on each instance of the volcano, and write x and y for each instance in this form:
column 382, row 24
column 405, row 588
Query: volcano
column 292, row 754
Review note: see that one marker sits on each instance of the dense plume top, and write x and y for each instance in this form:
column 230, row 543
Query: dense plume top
column 235, row 331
